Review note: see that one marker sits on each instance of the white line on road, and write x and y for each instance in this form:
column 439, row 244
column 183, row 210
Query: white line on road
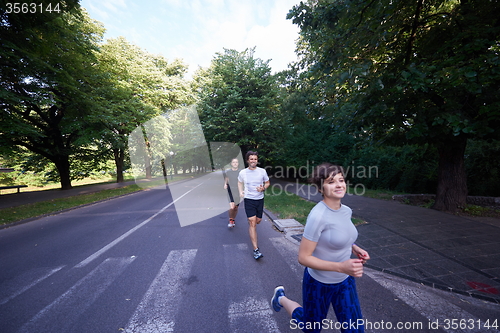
column 64, row 311
column 26, row 278
column 158, row 308
column 289, row 251
column 252, row 311
column 128, row 233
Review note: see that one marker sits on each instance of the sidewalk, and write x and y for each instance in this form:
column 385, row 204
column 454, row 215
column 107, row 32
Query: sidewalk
column 437, row 249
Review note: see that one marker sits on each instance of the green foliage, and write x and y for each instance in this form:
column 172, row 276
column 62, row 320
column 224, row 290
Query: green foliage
column 482, row 161
column 408, row 168
column 71, row 100
column 140, row 86
column 287, row 205
column 238, row 101
column 399, row 73
column 46, row 81
column 419, row 70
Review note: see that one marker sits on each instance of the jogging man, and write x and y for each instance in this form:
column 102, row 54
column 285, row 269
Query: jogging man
column 252, row 182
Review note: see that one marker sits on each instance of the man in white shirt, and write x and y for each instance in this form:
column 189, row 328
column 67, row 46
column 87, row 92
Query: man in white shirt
column 252, row 182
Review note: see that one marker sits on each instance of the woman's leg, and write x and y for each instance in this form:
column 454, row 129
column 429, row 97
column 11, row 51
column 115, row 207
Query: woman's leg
column 346, row 306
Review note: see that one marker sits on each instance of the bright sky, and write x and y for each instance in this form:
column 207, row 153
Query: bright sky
column 194, row 30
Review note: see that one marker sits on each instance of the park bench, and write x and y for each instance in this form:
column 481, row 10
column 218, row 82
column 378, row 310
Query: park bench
column 12, row 186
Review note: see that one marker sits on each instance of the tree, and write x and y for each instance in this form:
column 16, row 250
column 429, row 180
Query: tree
column 424, row 72
column 140, row 87
column 47, row 70
column 238, row 100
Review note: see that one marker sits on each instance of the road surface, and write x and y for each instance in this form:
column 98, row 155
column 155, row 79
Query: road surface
column 127, row 265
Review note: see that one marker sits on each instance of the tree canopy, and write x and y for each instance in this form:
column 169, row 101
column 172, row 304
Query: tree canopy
column 424, row 72
column 141, row 86
column 238, row 100
column 71, row 99
column 46, row 74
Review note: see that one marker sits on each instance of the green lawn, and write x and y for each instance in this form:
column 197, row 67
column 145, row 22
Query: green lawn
column 290, row 206
column 18, row 213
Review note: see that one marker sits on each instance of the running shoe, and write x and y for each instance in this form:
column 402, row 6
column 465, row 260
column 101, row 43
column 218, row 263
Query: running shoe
column 257, row 254
column 278, row 292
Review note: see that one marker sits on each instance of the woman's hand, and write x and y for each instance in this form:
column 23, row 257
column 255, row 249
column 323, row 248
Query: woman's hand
column 352, row 267
column 360, row 253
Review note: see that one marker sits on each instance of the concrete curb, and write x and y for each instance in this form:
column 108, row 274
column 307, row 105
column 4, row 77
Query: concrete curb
column 291, row 228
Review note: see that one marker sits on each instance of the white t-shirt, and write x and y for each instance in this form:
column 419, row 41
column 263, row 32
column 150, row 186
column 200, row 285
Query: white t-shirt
column 334, row 233
column 251, row 180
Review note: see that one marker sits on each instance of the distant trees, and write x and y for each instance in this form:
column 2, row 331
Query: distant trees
column 238, row 101
column 141, row 86
column 47, row 71
column 72, row 100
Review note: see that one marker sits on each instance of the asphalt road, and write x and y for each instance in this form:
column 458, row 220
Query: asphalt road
column 144, row 263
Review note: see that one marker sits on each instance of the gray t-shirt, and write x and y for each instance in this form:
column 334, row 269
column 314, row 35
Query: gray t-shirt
column 335, row 233
column 251, row 180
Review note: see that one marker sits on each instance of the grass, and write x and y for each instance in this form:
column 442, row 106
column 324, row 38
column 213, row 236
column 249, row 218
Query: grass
column 74, row 183
column 380, row 194
column 18, row 213
column 22, row 212
column 290, row 206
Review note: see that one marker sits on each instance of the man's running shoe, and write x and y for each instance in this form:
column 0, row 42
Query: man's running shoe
column 231, row 223
column 278, row 292
column 257, row 254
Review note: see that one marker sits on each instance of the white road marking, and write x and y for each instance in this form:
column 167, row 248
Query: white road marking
column 13, row 288
column 158, row 308
column 128, row 233
column 253, row 310
column 64, row 311
column 289, row 251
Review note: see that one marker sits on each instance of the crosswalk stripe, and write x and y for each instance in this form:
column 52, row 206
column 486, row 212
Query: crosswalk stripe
column 434, row 309
column 13, row 288
column 77, row 299
column 247, row 308
column 253, row 310
column 158, row 308
column 289, row 252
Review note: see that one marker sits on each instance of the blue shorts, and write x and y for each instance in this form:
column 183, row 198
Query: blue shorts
column 317, row 298
column 254, row 207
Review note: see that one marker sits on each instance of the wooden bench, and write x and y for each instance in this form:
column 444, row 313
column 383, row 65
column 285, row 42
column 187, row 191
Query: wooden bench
column 12, row 186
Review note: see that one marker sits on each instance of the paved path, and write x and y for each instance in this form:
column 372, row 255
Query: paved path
column 424, row 245
column 437, row 249
column 129, row 265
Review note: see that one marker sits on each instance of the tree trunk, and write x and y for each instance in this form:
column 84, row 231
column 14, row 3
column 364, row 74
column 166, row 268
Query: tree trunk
column 119, row 158
column 451, row 195
column 147, row 165
column 62, row 165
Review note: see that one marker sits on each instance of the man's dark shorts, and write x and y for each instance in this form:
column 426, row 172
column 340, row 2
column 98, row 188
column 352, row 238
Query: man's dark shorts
column 254, row 207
